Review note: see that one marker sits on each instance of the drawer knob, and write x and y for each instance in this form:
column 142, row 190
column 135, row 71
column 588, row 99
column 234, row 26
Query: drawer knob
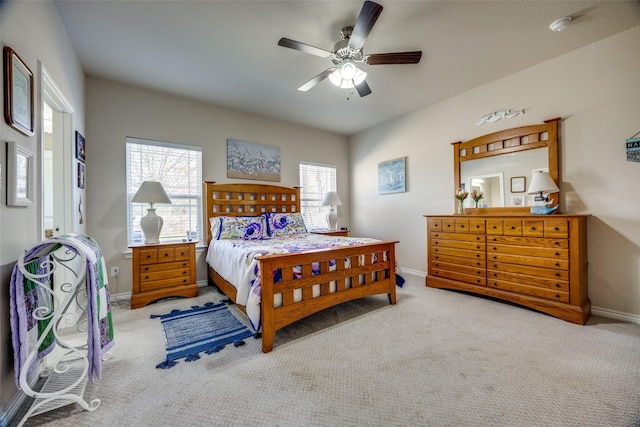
column 437, row 257
column 494, row 227
column 556, row 229
column 557, row 253
column 557, row 295
column 146, row 277
column 477, row 226
column 477, row 238
column 477, row 272
column 513, row 227
column 495, row 274
column 495, row 265
column 146, row 269
column 478, row 247
column 448, row 225
column 557, row 285
column 495, row 249
column 477, row 280
column 166, row 254
column 495, row 239
column 533, row 228
column 184, row 272
column 557, row 264
column 462, row 226
column 477, row 255
column 148, row 256
column 435, row 250
column 556, row 243
column 495, row 257
column 557, row 274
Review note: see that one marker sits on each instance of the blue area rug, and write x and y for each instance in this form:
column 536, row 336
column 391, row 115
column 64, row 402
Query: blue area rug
column 200, row 329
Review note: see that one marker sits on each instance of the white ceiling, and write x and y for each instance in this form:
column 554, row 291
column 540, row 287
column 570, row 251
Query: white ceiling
column 226, row 52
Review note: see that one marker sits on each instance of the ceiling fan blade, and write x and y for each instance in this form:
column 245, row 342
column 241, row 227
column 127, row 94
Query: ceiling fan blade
column 306, row 48
column 363, row 88
column 317, row 79
column 394, row 58
column 368, row 16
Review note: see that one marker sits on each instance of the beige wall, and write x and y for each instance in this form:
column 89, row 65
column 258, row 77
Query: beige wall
column 35, row 31
column 595, row 90
column 115, row 111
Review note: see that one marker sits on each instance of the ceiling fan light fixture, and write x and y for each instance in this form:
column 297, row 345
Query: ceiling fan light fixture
column 353, row 77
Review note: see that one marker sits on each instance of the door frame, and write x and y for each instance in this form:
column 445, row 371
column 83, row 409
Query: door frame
column 50, row 93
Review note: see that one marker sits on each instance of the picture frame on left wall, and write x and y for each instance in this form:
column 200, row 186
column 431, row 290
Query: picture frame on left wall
column 19, row 175
column 18, row 93
column 80, row 147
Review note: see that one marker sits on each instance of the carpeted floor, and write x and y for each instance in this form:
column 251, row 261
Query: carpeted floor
column 437, row 358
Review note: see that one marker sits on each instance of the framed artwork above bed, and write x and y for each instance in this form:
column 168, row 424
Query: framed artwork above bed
column 246, row 160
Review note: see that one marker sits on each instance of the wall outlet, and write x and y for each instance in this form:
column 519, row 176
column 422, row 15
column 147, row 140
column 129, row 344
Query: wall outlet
column 115, row 271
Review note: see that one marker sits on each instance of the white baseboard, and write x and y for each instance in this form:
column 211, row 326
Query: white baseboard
column 609, row 314
column 617, row 315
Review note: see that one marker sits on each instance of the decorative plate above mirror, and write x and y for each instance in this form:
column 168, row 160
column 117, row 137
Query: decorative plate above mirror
column 522, row 151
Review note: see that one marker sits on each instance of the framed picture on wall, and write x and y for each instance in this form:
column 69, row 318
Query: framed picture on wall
column 19, row 175
column 80, row 175
column 391, row 176
column 80, row 147
column 518, row 184
column 247, row 160
column 18, row 90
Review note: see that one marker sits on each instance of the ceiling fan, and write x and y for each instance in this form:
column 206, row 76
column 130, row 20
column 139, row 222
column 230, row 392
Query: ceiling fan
column 347, row 53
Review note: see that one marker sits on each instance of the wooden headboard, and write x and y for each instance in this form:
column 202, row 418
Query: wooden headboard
column 248, row 200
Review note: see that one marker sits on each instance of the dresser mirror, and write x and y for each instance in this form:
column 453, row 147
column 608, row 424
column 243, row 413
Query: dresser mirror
column 496, row 164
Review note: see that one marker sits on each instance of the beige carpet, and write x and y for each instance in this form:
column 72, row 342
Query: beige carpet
column 437, row 358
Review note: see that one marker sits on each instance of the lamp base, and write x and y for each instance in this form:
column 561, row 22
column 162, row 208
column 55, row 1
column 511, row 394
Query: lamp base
column 151, row 226
column 332, row 219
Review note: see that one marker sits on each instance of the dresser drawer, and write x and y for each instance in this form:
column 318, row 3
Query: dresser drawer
column 459, row 253
column 530, row 270
column 155, row 268
column 559, row 264
column 478, row 263
column 478, row 238
column 457, row 275
column 529, row 290
column 495, row 226
column 553, row 253
column 556, row 285
column 533, row 242
column 166, row 254
column 469, row 270
column 556, row 228
column 434, row 224
column 512, row 227
column 533, row 228
column 148, row 256
column 460, row 244
column 164, row 281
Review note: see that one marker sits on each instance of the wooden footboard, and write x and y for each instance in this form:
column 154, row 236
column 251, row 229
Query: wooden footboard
column 370, row 270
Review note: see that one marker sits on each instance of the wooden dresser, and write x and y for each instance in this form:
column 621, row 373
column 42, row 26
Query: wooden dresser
column 163, row 270
column 538, row 261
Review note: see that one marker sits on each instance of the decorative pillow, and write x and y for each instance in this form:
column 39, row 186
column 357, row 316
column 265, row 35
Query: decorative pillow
column 243, row 227
column 282, row 224
column 215, row 221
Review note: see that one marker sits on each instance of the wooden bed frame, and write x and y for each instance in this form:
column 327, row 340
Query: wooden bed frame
column 366, row 277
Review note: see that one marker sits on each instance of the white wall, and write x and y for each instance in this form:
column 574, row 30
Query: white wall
column 115, row 111
column 596, row 92
column 34, row 30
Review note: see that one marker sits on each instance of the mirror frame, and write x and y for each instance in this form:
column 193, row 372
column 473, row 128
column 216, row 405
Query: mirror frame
column 506, row 142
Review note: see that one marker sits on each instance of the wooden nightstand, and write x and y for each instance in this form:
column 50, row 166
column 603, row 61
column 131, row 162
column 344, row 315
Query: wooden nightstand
column 340, row 233
column 163, row 270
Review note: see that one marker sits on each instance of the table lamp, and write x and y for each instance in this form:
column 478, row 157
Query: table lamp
column 331, row 199
column 151, row 192
column 542, row 183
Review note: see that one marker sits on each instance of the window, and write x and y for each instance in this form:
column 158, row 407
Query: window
column 316, row 180
column 179, row 169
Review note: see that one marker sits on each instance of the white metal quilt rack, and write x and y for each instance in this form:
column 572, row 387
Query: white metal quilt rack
column 66, row 367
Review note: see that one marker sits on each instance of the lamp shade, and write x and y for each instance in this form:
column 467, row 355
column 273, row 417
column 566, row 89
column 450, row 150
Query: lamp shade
column 541, row 182
column 331, row 199
column 151, row 192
